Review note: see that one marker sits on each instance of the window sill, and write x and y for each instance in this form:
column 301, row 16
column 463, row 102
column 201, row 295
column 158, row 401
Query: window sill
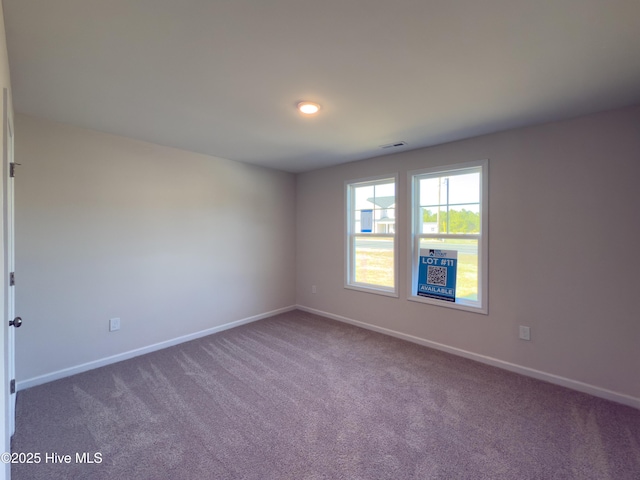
column 372, row 289
column 442, row 303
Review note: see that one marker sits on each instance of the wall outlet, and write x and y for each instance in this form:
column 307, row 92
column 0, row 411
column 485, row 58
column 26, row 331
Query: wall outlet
column 114, row 324
column 314, row 289
column 525, row 333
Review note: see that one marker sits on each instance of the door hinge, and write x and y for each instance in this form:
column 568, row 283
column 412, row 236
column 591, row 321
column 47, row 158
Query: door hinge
column 12, row 169
column 12, row 279
column 12, row 386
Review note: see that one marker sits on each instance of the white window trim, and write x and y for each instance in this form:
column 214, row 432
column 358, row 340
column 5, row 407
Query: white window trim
column 349, row 236
column 483, row 238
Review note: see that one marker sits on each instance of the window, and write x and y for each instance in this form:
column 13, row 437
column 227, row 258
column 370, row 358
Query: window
column 371, row 259
column 449, row 222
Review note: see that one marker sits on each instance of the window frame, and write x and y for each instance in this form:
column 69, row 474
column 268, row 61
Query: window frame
column 350, row 236
column 414, row 177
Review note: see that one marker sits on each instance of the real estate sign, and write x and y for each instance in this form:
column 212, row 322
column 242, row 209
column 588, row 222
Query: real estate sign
column 437, row 274
column 366, row 221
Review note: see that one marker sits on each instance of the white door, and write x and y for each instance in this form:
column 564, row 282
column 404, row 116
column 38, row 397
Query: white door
column 10, row 265
column 7, row 406
column 9, row 295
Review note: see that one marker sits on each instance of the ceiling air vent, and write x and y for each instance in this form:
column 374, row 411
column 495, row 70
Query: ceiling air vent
column 393, row 145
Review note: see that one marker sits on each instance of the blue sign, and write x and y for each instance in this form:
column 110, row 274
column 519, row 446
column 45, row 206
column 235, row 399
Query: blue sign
column 366, row 221
column 437, row 274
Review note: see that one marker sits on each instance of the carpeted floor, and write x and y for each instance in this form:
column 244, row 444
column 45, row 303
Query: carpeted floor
column 298, row 396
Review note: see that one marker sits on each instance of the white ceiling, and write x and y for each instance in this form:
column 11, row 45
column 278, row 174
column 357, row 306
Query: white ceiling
column 222, row 77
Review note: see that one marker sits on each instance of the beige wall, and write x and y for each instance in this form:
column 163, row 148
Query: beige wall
column 563, row 249
column 172, row 242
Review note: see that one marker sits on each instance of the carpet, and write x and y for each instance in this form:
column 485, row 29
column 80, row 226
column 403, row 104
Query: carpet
column 299, row 396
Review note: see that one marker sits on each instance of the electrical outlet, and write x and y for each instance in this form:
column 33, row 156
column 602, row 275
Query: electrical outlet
column 314, row 289
column 114, row 324
column 525, row 333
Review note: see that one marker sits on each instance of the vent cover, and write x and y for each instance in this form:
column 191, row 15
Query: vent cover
column 394, row 145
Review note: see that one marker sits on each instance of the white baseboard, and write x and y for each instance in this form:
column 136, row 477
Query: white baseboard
column 512, row 367
column 67, row 372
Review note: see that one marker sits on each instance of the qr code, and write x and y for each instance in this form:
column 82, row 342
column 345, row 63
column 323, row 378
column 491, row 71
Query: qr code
column 437, row 276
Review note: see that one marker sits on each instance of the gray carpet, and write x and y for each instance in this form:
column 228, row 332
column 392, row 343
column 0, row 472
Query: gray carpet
column 298, row 396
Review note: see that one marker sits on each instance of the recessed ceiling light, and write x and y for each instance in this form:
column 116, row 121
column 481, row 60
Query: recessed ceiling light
column 308, row 108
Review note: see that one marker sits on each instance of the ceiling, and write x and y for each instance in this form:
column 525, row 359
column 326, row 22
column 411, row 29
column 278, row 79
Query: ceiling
column 222, row 77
